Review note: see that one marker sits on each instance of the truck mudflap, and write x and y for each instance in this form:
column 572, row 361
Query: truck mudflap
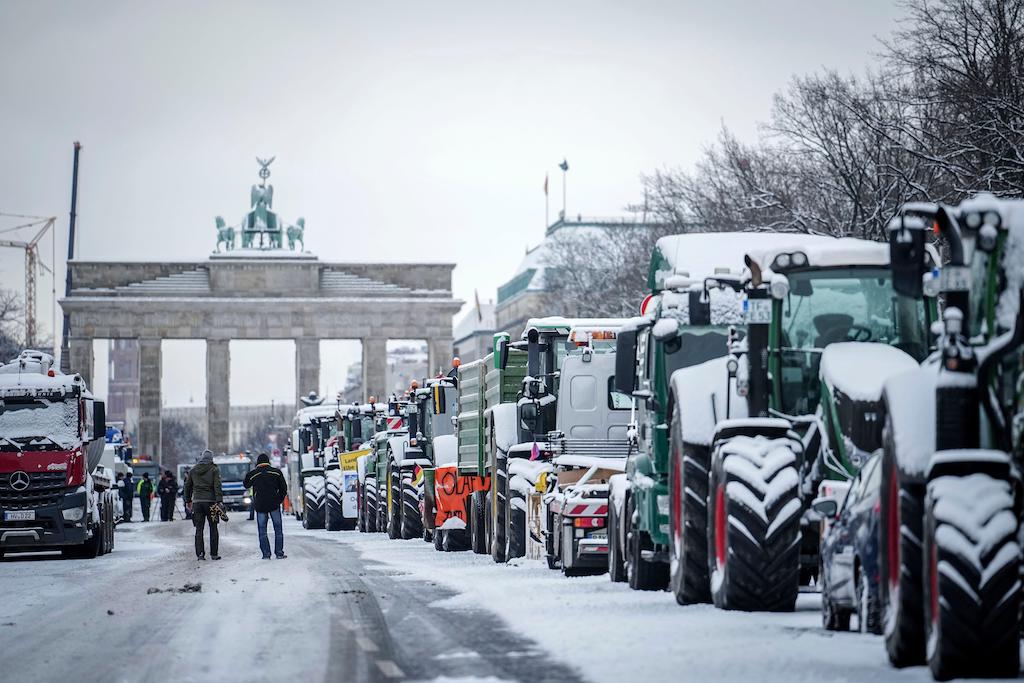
column 46, row 526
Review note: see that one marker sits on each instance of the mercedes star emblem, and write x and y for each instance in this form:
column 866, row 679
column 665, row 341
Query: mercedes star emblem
column 20, row 481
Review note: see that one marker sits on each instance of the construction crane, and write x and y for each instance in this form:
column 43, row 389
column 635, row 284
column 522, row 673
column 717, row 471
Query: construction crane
column 33, row 264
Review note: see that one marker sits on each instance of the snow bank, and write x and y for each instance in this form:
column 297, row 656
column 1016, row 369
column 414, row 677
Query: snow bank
column 859, row 369
column 910, row 398
column 700, row 392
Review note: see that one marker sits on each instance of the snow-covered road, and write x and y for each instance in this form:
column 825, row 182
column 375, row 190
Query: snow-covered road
column 356, row 607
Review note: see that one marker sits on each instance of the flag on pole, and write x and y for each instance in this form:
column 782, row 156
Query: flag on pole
column 545, row 184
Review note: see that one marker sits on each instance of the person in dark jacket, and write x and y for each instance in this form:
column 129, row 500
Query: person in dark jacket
column 181, row 492
column 145, row 491
column 268, row 492
column 167, row 490
column 202, row 491
column 127, row 493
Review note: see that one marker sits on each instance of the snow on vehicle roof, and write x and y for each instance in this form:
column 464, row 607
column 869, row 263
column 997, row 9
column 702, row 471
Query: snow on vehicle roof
column 557, row 322
column 699, row 255
column 30, row 371
column 825, row 252
column 859, row 369
column 304, row 415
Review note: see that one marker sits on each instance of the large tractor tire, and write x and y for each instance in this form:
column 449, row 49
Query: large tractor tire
column 689, row 578
column 754, row 529
column 412, row 521
column 901, row 561
column 456, row 540
column 642, row 574
column 313, row 491
column 478, row 522
column 972, row 587
column 439, row 540
column 334, row 520
column 370, row 504
column 616, row 567
column 499, row 508
column 393, row 503
column 515, row 525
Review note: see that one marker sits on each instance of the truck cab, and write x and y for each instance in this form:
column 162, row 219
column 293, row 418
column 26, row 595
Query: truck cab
column 52, row 438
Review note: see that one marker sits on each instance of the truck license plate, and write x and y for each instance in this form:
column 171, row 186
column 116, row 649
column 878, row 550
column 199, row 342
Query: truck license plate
column 19, row 515
column 602, row 535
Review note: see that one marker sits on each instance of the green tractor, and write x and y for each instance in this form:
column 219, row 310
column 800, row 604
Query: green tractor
column 951, row 495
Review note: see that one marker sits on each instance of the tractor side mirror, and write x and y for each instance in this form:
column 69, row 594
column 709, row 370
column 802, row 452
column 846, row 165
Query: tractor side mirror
column 700, row 309
column 438, row 396
column 501, row 353
column 625, row 362
column 827, row 507
column 99, row 419
column 907, row 257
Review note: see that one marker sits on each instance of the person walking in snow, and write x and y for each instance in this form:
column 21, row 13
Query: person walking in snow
column 145, row 493
column 202, row 493
column 167, row 491
column 269, row 489
column 127, row 493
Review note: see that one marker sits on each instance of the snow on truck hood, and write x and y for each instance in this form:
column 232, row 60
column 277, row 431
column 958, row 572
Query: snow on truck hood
column 860, row 369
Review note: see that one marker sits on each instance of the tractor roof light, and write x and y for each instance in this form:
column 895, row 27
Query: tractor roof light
column 781, row 262
column 779, row 286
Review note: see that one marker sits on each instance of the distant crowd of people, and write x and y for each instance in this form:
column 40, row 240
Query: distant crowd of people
column 166, row 490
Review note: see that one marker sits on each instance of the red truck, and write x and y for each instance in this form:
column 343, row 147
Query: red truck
column 54, row 492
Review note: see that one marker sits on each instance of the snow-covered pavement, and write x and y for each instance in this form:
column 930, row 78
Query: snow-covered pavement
column 359, row 607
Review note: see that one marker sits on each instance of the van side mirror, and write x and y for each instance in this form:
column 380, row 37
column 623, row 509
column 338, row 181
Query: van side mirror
column 625, row 362
column 907, row 256
column 99, row 419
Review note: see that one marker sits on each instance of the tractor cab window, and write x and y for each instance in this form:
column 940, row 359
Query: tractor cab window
column 838, row 305
column 694, row 346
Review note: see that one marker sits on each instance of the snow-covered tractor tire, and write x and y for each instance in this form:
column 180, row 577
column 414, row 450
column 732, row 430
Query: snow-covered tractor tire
column 370, row 505
column 333, row 518
column 689, row 578
column 412, row 522
column 616, row 567
column 313, row 513
column 456, row 540
column 901, row 561
column 477, row 522
column 439, row 540
column 499, row 507
column 393, row 502
column 515, row 525
column 754, row 529
column 972, row 582
column 641, row 574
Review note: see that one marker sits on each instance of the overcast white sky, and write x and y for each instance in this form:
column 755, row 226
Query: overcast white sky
column 403, row 131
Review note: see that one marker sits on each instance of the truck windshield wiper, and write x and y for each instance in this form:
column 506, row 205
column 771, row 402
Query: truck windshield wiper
column 12, row 442
column 50, row 439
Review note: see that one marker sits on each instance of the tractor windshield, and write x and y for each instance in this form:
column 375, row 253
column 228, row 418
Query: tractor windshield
column 836, row 305
column 694, row 346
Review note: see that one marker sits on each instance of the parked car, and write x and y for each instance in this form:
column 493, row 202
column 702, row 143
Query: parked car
column 849, row 553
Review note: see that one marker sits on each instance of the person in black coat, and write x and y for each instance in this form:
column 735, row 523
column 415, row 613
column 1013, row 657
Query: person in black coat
column 269, row 489
column 127, row 494
column 167, row 490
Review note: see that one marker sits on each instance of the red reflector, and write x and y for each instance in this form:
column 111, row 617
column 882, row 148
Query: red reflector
column 588, row 522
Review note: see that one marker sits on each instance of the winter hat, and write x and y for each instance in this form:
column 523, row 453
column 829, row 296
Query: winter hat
column 264, row 459
column 207, row 456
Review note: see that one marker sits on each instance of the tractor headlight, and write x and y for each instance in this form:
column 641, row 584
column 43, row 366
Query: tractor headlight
column 74, row 514
column 781, row 262
column 247, row 500
column 799, row 259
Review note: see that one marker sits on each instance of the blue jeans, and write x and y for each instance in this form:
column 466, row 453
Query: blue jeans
column 261, row 525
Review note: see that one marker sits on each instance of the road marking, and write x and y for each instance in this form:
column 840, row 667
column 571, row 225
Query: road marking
column 389, row 668
column 366, row 644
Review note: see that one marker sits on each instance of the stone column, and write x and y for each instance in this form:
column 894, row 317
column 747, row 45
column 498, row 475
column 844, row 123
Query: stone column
column 375, row 368
column 439, row 356
column 218, row 399
column 82, row 359
column 150, row 366
column 307, row 369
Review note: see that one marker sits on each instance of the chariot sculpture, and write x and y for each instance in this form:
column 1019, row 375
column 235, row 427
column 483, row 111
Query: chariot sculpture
column 261, row 228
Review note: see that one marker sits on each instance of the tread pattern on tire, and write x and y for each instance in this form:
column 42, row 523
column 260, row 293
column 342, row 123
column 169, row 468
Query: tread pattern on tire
column 973, row 561
column 412, row 519
column 370, row 504
column 314, row 489
column 641, row 574
column 515, row 529
column 500, row 505
column 332, row 509
column 756, row 480
column 616, row 567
